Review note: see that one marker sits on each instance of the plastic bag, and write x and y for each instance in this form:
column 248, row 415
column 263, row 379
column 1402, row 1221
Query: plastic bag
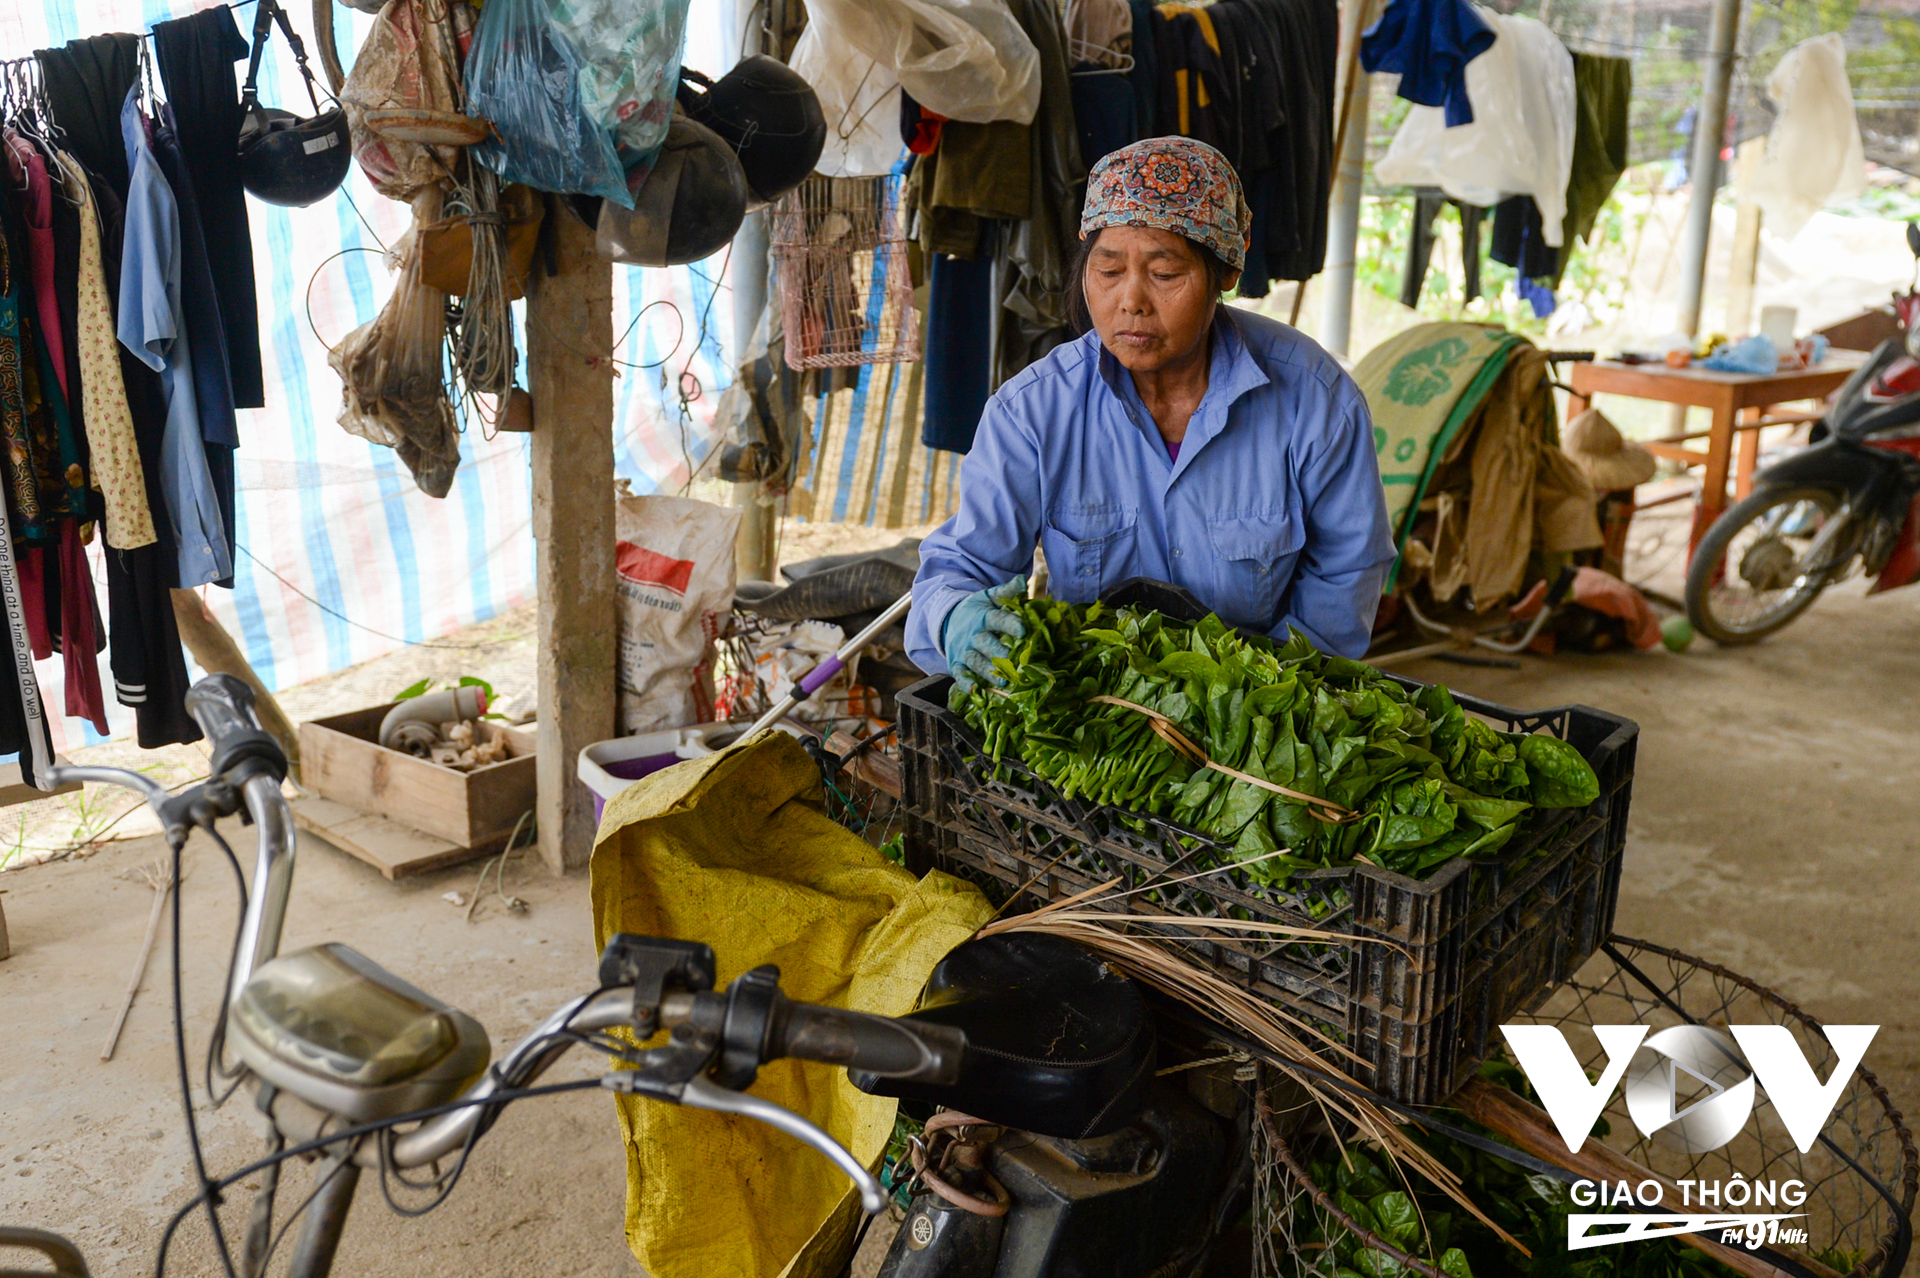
column 673, row 566
column 861, row 102
column 391, row 390
column 1814, row 156
column 1521, row 138
column 964, row 59
column 407, row 61
column 629, row 66
column 524, row 75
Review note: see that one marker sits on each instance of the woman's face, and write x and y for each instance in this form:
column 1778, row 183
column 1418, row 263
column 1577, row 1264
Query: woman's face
column 1148, row 296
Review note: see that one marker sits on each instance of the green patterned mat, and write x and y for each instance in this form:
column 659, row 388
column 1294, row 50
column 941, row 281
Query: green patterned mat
column 1420, row 387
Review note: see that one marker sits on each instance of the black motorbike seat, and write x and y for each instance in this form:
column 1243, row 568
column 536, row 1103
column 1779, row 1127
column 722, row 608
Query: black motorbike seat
column 1058, row 1041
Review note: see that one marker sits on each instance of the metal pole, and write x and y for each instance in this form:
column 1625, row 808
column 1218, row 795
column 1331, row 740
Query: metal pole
column 1343, row 215
column 1709, row 132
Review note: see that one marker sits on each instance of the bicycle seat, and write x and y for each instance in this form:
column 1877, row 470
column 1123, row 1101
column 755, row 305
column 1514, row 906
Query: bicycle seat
column 1058, row 1041
column 349, row 1037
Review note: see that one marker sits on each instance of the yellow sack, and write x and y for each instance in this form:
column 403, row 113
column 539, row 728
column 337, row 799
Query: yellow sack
column 736, row 850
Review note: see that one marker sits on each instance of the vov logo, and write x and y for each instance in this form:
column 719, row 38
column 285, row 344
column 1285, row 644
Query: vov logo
column 1653, row 1069
column 1719, row 1076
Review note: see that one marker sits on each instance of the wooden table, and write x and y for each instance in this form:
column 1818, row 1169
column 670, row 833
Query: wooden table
column 1739, row 404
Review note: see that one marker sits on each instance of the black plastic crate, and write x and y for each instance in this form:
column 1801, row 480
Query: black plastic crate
column 1471, row 946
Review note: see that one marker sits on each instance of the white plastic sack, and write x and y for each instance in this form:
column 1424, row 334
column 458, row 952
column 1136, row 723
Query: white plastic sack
column 1521, row 138
column 1813, row 156
column 673, row 566
column 964, row 59
column 861, row 102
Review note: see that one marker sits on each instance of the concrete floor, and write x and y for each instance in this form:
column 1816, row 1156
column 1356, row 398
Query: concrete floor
column 1776, row 828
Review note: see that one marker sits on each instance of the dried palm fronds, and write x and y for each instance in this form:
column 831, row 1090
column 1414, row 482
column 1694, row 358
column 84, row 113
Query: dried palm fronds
column 1152, row 960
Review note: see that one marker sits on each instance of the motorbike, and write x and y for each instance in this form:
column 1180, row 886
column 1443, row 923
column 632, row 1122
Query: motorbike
column 1053, row 1144
column 1850, row 500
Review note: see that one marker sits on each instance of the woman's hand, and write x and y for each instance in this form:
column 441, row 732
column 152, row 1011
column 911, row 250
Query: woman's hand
column 971, row 640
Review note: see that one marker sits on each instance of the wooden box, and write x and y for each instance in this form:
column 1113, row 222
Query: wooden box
column 341, row 760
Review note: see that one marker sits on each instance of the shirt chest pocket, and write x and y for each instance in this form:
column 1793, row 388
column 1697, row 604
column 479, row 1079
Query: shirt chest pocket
column 1088, row 548
column 1253, row 560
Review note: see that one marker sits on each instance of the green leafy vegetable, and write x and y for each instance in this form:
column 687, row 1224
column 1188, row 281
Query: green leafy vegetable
column 1428, row 783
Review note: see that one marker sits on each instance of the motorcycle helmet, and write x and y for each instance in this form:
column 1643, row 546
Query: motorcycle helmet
column 282, row 158
column 289, row 161
column 686, row 208
column 767, row 114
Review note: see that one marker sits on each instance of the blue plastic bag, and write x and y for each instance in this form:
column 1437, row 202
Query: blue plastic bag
column 1750, row 355
column 523, row 75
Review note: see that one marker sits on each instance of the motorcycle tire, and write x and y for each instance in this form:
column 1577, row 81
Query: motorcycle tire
column 1708, row 569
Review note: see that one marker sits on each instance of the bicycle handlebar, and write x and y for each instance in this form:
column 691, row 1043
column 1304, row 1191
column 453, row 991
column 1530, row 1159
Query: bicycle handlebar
column 908, row 1050
column 720, row 1037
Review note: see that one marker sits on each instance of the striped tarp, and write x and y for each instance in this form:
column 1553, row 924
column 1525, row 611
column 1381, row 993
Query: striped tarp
column 342, row 558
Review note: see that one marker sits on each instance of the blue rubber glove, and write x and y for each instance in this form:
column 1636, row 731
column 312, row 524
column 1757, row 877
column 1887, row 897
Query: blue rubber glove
column 971, row 637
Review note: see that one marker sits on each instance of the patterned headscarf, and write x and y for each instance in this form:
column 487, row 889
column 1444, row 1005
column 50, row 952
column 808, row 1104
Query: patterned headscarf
column 1171, row 184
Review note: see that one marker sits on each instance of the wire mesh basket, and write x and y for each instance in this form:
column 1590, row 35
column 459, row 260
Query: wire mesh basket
column 840, row 250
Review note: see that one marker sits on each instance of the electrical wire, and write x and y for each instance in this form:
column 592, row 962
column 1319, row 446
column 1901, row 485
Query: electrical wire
column 335, row 612
column 209, row 1191
column 213, row 1187
column 217, row 1041
column 280, row 1234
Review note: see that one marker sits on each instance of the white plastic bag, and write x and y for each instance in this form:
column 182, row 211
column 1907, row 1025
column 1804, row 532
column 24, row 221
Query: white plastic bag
column 1814, row 156
column 1521, row 138
column 630, row 65
column 964, row 59
column 673, row 566
column 861, row 102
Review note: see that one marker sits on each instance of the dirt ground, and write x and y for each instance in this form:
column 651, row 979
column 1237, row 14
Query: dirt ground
column 1776, row 823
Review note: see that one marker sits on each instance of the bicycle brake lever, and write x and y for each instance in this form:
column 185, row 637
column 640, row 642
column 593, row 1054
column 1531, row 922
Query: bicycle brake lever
column 702, row 1093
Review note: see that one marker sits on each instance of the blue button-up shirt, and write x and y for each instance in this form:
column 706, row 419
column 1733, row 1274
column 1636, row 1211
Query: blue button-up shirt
column 153, row 326
column 1272, row 515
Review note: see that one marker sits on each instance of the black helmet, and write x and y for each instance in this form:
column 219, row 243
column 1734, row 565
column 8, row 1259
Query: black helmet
column 768, row 115
column 286, row 160
column 282, row 158
column 687, row 207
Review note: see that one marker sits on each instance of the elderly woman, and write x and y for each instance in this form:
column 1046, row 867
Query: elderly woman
column 1178, row 439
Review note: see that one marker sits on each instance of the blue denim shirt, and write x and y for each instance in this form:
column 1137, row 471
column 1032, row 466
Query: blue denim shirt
column 1272, row 515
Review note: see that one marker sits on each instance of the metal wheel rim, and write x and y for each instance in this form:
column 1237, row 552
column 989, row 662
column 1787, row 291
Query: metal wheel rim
column 1733, row 603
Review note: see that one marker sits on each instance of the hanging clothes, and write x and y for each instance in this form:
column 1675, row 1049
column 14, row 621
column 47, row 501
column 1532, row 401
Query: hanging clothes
column 1304, row 37
column 1426, row 207
column 85, row 82
column 1148, row 25
column 113, row 451
column 154, row 326
column 1040, row 248
column 196, row 56
column 1194, row 81
column 959, row 350
column 149, row 670
column 212, row 376
column 1521, row 140
column 1102, row 111
column 1428, row 44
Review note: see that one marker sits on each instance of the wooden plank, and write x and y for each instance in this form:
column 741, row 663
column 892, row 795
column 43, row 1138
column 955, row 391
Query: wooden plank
column 877, row 770
column 217, row 653
column 570, row 375
column 396, row 850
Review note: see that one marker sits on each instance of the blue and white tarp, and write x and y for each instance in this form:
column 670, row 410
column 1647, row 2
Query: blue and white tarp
column 326, row 516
